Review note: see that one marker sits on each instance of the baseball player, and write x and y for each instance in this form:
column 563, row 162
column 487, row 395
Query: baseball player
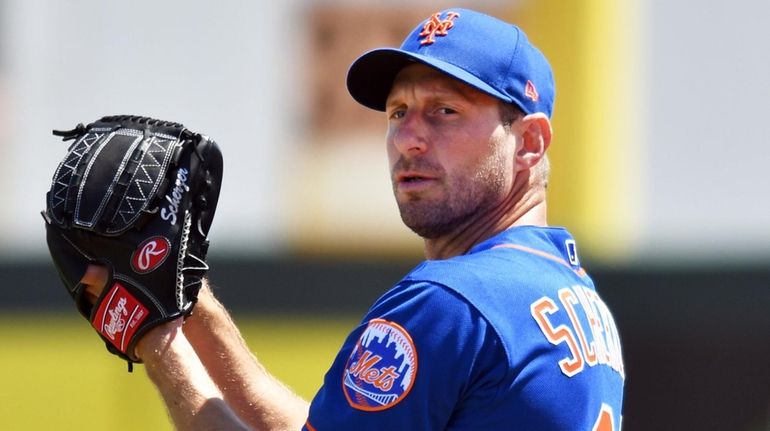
column 500, row 328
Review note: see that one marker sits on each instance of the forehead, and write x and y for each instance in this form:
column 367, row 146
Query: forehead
column 418, row 76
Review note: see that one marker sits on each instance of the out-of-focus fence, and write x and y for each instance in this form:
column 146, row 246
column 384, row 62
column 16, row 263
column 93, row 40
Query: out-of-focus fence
column 696, row 340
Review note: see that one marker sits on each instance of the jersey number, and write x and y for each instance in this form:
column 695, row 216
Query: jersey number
column 604, row 421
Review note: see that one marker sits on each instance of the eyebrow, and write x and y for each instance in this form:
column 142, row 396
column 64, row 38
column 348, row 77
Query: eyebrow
column 448, row 88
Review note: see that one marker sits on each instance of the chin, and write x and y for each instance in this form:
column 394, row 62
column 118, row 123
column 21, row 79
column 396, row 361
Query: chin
column 429, row 223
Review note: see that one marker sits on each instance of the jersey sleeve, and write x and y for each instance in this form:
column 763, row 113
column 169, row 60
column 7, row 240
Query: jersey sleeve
column 420, row 352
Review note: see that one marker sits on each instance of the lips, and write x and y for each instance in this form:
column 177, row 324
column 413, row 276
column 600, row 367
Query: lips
column 412, row 177
column 413, row 181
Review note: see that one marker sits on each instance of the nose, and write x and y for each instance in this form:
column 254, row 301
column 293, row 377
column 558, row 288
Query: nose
column 409, row 136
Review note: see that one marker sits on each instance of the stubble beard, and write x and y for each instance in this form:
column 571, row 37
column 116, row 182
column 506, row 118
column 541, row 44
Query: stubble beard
column 461, row 200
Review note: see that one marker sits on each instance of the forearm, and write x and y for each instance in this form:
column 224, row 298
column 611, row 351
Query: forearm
column 194, row 402
column 255, row 395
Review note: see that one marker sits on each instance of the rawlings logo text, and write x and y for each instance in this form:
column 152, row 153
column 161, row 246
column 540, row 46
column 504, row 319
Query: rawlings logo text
column 175, row 197
column 116, row 322
column 119, row 316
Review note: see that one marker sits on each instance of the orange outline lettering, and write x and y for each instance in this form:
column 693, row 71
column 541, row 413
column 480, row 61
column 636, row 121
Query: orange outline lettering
column 568, row 299
column 558, row 335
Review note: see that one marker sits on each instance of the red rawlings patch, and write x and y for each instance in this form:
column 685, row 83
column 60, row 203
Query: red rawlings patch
column 119, row 316
column 150, row 254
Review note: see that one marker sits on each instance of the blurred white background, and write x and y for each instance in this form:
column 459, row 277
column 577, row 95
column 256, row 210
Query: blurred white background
column 239, row 72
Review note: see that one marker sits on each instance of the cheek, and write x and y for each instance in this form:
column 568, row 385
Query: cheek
column 465, row 159
column 393, row 154
column 494, row 167
column 389, row 140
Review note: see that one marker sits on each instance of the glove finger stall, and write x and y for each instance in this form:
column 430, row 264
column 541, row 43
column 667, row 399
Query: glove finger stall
column 137, row 195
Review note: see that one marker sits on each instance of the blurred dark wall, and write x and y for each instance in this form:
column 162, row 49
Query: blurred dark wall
column 696, row 341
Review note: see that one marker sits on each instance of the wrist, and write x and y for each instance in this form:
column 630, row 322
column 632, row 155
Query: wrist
column 158, row 340
column 205, row 308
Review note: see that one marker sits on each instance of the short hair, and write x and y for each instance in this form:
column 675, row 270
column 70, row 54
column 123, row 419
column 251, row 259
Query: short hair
column 509, row 113
column 543, row 171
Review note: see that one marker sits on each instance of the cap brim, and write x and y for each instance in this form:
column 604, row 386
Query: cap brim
column 371, row 76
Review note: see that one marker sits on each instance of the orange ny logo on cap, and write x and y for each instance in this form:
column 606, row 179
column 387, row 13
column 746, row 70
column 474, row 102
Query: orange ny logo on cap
column 435, row 26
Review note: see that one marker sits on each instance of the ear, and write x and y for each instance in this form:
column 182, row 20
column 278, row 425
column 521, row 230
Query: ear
column 535, row 131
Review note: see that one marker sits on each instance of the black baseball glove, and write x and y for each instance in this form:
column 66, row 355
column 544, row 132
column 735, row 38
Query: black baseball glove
column 137, row 195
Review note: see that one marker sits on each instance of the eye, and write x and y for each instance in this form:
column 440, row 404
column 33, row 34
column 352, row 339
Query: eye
column 445, row 110
column 396, row 114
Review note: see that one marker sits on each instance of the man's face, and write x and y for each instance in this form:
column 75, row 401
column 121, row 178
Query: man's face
column 450, row 157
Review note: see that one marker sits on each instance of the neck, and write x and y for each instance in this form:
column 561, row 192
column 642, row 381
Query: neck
column 525, row 205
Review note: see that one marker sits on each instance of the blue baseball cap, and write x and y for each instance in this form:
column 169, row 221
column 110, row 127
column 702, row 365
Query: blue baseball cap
column 477, row 49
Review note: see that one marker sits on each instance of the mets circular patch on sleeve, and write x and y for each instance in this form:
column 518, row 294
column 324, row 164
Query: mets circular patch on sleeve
column 382, row 367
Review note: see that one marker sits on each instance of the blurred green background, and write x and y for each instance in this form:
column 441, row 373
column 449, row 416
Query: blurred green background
column 694, row 340
column 56, row 373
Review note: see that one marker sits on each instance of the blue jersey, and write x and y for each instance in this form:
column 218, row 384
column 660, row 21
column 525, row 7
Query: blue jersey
column 510, row 336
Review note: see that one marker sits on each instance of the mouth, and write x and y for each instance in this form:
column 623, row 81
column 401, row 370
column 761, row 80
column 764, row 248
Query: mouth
column 413, row 181
column 412, row 177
